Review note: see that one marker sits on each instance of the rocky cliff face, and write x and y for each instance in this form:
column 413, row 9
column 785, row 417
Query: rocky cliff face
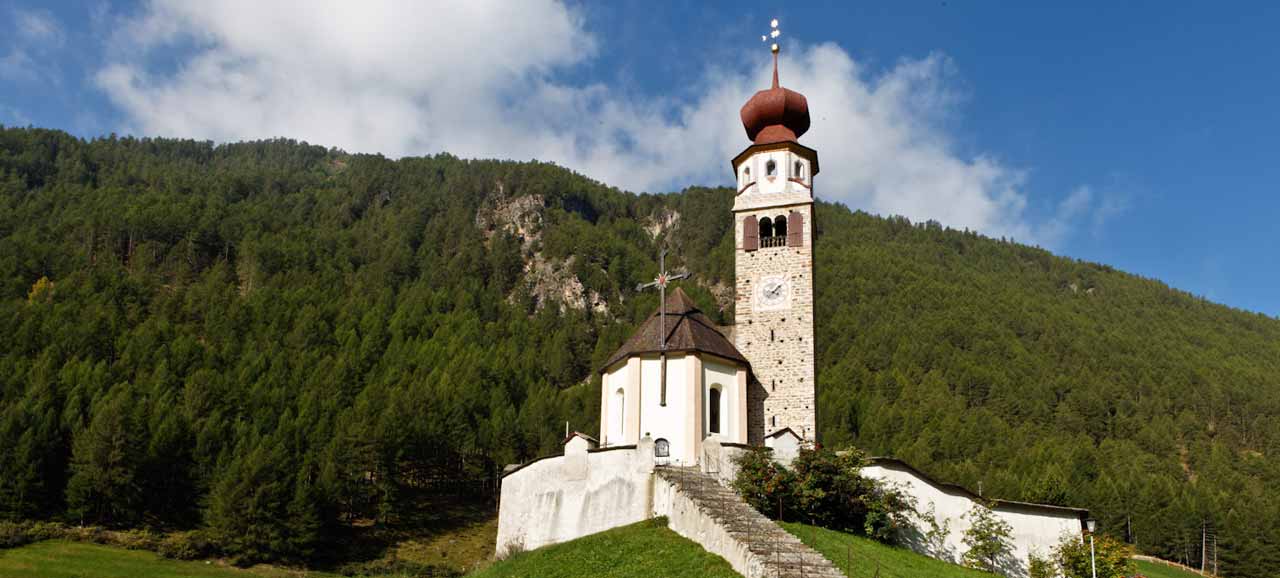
column 549, row 281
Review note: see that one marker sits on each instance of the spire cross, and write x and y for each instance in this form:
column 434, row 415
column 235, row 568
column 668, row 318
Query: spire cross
column 664, row 277
column 774, row 33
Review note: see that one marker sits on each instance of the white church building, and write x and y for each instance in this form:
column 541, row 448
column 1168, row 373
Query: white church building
column 683, row 391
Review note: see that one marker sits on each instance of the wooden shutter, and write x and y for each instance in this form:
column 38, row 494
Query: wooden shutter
column 795, row 229
column 750, row 234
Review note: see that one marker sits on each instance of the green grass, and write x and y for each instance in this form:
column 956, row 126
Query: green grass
column 1161, row 571
column 860, row 557
column 645, row 550
column 62, row 559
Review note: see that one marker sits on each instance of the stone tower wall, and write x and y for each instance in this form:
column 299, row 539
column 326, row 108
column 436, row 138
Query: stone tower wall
column 783, row 367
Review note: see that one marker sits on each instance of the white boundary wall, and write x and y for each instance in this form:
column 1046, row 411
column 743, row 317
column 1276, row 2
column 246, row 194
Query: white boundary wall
column 565, row 497
column 1036, row 528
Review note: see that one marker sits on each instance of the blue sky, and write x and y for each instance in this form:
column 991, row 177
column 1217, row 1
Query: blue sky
column 1141, row 135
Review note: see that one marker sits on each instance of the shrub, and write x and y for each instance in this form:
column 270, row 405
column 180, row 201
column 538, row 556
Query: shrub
column 192, row 545
column 988, row 539
column 1114, row 557
column 137, row 539
column 14, row 534
column 823, row 487
column 1040, row 566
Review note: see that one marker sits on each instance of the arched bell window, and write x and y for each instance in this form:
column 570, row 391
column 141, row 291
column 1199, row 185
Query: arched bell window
column 780, row 227
column 770, row 169
column 713, row 410
column 661, row 448
column 799, row 170
column 766, row 230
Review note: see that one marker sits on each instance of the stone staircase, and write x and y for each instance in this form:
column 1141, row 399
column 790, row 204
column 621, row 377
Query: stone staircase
column 753, row 544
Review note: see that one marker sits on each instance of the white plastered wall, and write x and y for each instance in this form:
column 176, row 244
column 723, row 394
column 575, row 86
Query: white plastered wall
column 666, row 422
column 1034, row 529
column 566, row 497
column 725, row 377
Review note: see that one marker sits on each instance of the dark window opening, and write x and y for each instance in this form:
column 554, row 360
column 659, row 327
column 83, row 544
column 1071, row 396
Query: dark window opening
column 770, row 169
column 773, row 232
column 713, row 420
column 799, row 172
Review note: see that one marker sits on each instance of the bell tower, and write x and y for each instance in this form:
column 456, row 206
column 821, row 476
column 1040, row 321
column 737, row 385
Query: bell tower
column 773, row 260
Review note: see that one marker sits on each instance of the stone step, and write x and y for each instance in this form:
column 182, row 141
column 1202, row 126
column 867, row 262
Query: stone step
column 779, row 553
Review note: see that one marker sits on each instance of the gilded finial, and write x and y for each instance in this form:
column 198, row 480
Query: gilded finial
column 774, row 33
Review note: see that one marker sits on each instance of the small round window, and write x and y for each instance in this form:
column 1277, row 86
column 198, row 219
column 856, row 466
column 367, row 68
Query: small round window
column 771, row 169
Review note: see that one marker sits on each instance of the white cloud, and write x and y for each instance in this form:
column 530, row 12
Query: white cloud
column 35, row 35
column 38, row 26
column 483, row 79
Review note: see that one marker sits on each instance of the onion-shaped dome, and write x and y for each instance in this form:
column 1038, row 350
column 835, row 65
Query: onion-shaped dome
column 777, row 114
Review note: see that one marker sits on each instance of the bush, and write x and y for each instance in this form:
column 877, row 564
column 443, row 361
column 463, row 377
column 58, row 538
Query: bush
column 134, row 539
column 14, row 534
column 826, row 488
column 1040, row 567
column 186, row 546
column 1114, row 557
column 988, row 539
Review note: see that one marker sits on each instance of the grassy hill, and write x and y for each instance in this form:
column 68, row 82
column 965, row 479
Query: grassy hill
column 61, row 559
column 290, row 341
column 1161, row 571
column 642, row 550
column 860, row 557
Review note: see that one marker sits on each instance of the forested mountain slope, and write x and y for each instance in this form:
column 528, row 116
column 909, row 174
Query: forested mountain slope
column 271, row 340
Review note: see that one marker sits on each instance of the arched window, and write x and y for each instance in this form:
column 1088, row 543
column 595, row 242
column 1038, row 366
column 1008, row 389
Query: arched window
column 713, row 410
column 661, row 448
column 617, row 417
column 766, row 230
column 770, row 169
column 746, row 174
column 780, row 227
column 799, row 170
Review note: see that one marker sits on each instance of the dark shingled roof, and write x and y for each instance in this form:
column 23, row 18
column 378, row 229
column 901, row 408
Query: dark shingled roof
column 688, row 329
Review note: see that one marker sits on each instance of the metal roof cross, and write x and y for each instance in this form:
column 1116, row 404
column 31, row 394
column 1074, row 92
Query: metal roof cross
column 664, row 277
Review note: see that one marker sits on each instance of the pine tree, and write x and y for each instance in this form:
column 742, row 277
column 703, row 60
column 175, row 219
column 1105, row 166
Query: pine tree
column 104, row 487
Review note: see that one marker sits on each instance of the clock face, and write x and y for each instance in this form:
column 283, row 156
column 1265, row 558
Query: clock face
column 773, row 293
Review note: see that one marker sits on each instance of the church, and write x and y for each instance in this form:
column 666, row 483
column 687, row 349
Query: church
column 680, row 379
column 682, row 396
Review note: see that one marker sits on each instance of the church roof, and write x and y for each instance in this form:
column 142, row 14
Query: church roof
column 688, row 329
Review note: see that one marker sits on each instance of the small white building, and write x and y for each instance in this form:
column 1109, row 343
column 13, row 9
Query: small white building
column 1035, row 528
column 677, row 380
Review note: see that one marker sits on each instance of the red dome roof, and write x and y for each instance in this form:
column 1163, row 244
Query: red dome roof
column 775, row 115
